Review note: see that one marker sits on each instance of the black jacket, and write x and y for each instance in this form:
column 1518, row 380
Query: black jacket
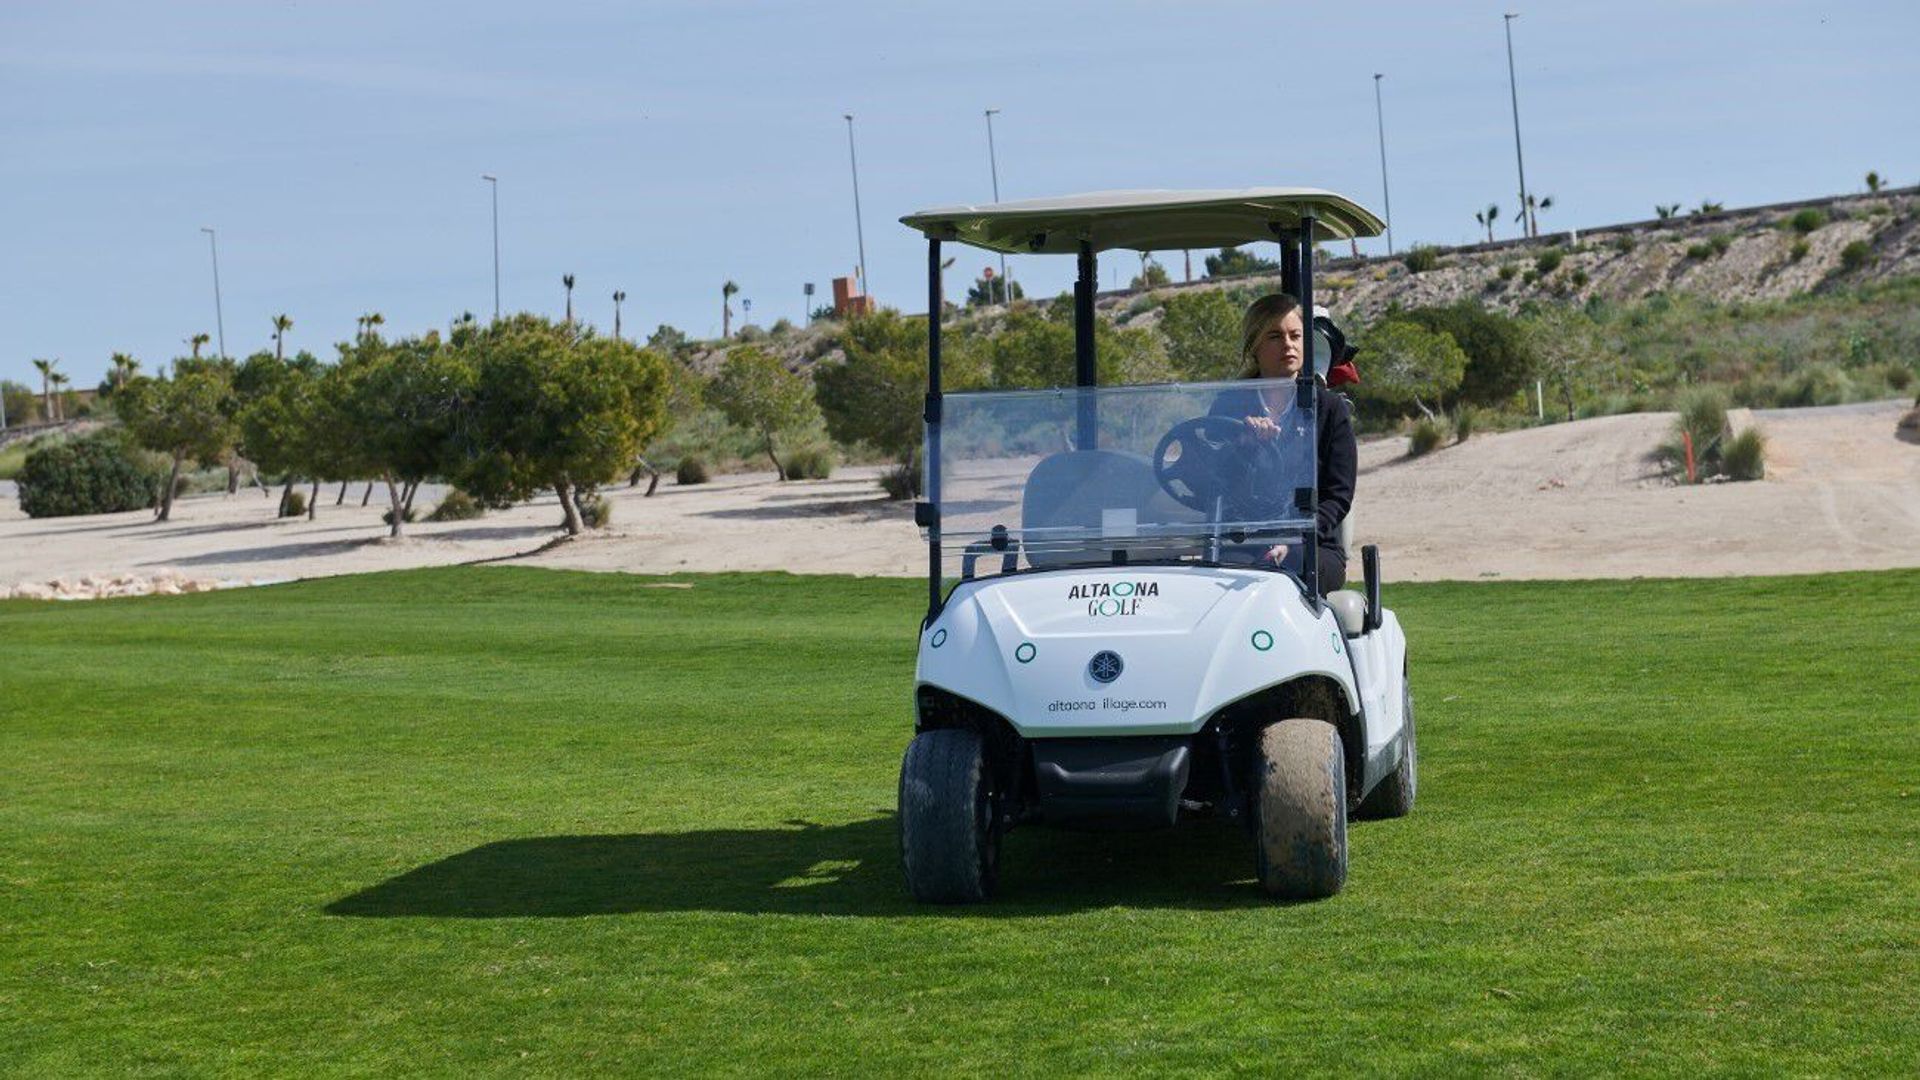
column 1338, row 455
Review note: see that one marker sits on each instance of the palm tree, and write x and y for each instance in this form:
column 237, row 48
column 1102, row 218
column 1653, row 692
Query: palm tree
column 1666, row 210
column 726, row 308
column 281, row 324
column 1487, row 217
column 618, row 296
column 1708, row 206
column 1874, row 183
column 370, row 320
column 1530, row 213
column 123, row 369
column 567, row 280
column 60, row 382
column 198, row 340
column 45, row 367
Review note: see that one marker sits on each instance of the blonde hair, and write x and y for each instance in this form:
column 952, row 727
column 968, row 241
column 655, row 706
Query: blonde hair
column 1261, row 314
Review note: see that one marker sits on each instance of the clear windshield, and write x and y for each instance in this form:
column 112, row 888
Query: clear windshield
column 1216, row 471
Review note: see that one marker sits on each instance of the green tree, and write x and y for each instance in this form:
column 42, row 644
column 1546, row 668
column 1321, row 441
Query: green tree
column 726, row 308
column 281, row 324
column 1874, row 183
column 397, row 409
column 1500, row 360
column 198, row 340
column 1232, row 262
column 555, row 409
column 988, row 290
column 567, row 281
column 280, row 423
column 1570, row 355
column 19, row 404
column 1487, row 218
column 185, row 417
column 754, row 390
column 1411, row 364
column 877, row 393
column 1202, row 330
column 1152, row 275
column 1031, row 350
column 668, row 341
column 1666, row 210
column 45, row 368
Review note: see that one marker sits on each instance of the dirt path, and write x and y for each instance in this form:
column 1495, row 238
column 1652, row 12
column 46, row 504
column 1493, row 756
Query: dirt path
column 1568, row 500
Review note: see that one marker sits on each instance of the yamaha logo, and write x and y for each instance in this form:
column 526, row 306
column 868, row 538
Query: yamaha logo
column 1105, row 666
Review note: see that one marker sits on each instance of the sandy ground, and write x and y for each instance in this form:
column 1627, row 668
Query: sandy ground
column 1565, row 501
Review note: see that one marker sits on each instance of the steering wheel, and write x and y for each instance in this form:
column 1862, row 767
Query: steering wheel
column 1212, row 462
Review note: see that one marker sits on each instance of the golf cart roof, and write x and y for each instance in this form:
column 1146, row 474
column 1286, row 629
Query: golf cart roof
column 1147, row 220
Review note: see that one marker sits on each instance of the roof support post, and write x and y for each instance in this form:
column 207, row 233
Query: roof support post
column 1084, row 372
column 1289, row 269
column 1309, row 403
column 931, row 458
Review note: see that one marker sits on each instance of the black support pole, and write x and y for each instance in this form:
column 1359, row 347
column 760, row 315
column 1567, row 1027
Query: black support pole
column 932, row 416
column 1310, row 408
column 1084, row 373
column 1289, row 268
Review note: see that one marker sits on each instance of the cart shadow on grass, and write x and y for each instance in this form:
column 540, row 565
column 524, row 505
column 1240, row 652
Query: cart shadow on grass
column 805, row 869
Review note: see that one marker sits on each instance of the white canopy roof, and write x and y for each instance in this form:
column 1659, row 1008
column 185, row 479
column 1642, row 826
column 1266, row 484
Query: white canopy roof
column 1148, row 220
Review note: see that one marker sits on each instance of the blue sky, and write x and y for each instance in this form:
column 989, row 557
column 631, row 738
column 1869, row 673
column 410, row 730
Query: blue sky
column 662, row 148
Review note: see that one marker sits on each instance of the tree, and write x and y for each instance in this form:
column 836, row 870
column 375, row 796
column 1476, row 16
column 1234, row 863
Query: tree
column 1499, row 359
column 726, row 308
column 124, row 367
column 17, row 402
column 1874, row 183
column 45, row 368
column 281, row 324
column 619, row 297
column 1666, row 210
column 1708, row 206
column 567, row 280
column 278, row 420
column 1031, row 350
column 668, row 341
column 370, row 323
column 1487, row 217
column 394, row 410
column 1411, row 364
column 1568, row 346
column 196, row 341
column 60, row 384
column 552, row 408
column 1232, row 262
column 877, row 394
column 1152, row 274
column 1530, row 213
column 988, row 290
column 757, row 392
column 1202, row 331
column 185, row 417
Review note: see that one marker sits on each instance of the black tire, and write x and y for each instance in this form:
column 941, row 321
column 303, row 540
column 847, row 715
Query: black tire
column 1301, row 808
column 1393, row 796
column 949, row 838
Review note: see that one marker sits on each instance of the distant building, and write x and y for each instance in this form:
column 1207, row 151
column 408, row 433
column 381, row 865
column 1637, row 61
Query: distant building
column 849, row 300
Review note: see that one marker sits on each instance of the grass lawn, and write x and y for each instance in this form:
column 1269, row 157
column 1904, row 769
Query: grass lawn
column 491, row 820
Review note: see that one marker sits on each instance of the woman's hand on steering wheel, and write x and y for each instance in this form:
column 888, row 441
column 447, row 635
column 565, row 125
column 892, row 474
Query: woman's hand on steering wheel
column 1263, row 428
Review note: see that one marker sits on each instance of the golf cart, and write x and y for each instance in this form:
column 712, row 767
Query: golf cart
column 1109, row 640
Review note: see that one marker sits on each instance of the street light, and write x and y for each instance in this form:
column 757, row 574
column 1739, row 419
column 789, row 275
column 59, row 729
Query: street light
column 494, row 183
column 1513, row 88
column 219, row 320
column 858, row 232
column 1006, row 283
column 1386, row 199
column 806, row 291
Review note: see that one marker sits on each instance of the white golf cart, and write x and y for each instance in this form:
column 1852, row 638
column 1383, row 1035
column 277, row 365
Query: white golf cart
column 1108, row 642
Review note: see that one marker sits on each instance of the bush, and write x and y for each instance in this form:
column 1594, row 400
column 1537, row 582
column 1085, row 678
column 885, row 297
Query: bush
column 1507, row 271
column 1422, row 259
column 901, row 481
column 1720, row 242
column 1463, row 421
column 295, row 505
column 1806, row 221
column 691, row 470
column 1703, row 415
column 1821, row 384
column 457, row 505
column 1548, row 262
column 1427, row 436
column 1908, row 429
column 1745, row 456
column 100, row 474
column 596, row 511
column 812, row 463
column 1855, row 255
column 1699, row 252
column 1578, row 279
column 1899, row 377
column 1799, row 250
column 1623, row 243
column 405, row 515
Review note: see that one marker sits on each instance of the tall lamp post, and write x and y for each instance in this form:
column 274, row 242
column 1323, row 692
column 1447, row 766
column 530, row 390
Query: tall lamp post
column 1386, row 199
column 859, row 232
column 219, row 319
column 494, row 183
column 993, row 165
column 1513, row 89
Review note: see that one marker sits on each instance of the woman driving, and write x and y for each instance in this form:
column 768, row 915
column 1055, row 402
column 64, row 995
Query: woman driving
column 1273, row 346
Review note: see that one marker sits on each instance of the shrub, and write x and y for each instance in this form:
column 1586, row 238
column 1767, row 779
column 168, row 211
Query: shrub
column 1806, row 221
column 457, row 505
column 596, row 511
column 1578, row 279
column 1745, row 456
column 1855, row 255
column 1821, row 384
column 811, row 463
column 1720, row 242
column 1699, row 252
column 1799, row 250
column 406, row 516
column 1703, row 415
column 1623, row 243
column 1463, row 420
column 1908, row 429
column 1507, row 271
column 100, row 474
column 1899, row 377
column 1427, row 436
column 901, row 481
column 1422, row 259
column 295, row 506
column 1549, row 261
column 691, row 470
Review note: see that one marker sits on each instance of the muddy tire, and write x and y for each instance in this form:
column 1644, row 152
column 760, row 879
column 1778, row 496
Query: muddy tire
column 949, row 839
column 1393, row 797
column 1301, row 808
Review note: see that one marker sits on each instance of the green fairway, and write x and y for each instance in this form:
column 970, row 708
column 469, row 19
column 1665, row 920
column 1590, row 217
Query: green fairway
column 504, row 820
